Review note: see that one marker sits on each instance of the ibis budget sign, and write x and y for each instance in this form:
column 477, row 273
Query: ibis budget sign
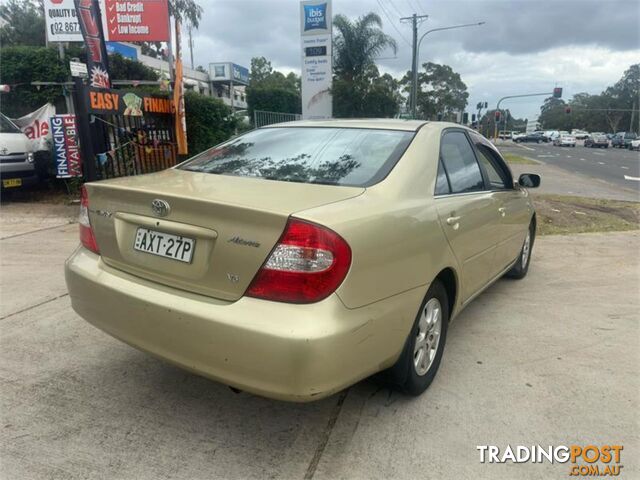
column 315, row 33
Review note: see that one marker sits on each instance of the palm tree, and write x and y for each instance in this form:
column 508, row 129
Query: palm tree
column 358, row 43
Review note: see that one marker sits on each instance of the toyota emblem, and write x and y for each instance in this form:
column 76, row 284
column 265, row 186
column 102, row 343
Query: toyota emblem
column 160, row 208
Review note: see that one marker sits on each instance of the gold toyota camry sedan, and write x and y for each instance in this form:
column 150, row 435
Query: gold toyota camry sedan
column 300, row 258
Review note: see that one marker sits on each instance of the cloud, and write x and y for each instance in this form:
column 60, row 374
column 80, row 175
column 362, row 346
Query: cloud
column 525, row 46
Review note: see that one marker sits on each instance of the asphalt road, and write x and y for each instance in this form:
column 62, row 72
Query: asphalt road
column 548, row 360
column 618, row 166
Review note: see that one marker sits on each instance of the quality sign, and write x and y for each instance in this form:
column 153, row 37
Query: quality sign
column 65, row 146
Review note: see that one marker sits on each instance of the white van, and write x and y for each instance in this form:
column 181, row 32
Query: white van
column 17, row 167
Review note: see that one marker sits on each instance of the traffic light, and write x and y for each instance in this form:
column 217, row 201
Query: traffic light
column 567, row 110
column 497, row 116
column 473, row 118
column 557, row 92
column 465, row 118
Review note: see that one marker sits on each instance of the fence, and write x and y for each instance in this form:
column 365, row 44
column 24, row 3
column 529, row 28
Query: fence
column 262, row 118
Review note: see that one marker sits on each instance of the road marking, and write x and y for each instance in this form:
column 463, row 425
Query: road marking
column 568, row 156
column 598, row 153
column 601, row 163
column 583, row 159
column 635, row 179
column 544, row 156
column 626, row 168
column 527, row 148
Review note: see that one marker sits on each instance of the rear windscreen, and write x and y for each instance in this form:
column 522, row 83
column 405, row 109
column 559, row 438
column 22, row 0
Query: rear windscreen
column 336, row 156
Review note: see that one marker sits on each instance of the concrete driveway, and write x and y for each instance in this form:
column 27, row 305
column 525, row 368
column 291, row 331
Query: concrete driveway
column 549, row 360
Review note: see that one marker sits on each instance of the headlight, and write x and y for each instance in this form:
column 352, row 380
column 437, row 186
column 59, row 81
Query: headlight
column 30, row 157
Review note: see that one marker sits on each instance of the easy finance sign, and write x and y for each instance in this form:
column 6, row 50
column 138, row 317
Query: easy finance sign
column 65, row 146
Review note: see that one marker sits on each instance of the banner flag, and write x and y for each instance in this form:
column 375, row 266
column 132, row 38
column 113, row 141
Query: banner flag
column 178, row 100
column 66, row 149
column 35, row 126
column 88, row 12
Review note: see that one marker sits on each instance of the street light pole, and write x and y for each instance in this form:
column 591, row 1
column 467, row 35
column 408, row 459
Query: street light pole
column 414, row 58
column 416, row 55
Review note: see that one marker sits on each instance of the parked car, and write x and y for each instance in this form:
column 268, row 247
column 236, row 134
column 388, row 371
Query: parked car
column 623, row 139
column 579, row 134
column 535, row 137
column 17, row 168
column 296, row 259
column 505, row 135
column 635, row 144
column 597, row 140
column 517, row 135
column 564, row 141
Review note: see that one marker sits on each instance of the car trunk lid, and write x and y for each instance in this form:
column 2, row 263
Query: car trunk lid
column 234, row 221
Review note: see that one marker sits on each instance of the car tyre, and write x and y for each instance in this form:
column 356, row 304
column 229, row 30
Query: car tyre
column 539, row 142
column 521, row 267
column 420, row 358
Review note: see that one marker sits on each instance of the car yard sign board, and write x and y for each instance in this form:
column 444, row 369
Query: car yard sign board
column 122, row 20
column 315, row 30
column 136, row 20
column 65, row 146
column 61, row 21
column 123, row 102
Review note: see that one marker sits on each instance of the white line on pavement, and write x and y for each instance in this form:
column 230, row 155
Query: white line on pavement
column 601, row 163
column 598, row 153
column 528, row 148
column 583, row 159
column 635, row 179
column 544, row 156
column 622, row 166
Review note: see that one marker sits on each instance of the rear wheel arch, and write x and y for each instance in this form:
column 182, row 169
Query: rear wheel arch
column 449, row 280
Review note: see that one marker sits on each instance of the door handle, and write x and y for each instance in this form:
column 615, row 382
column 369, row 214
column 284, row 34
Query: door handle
column 453, row 221
column 503, row 211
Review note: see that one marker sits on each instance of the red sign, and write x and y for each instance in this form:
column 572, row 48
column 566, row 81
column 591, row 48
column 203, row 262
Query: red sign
column 136, row 20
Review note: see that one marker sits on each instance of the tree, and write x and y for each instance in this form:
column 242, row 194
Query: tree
column 184, row 11
column 271, row 90
column 24, row 23
column 441, row 91
column 358, row 88
column 366, row 95
column 357, row 44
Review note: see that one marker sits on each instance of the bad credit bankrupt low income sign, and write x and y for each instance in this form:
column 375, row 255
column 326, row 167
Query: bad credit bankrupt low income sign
column 135, row 20
column 122, row 20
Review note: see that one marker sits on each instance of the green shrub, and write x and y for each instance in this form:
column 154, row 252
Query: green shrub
column 209, row 122
column 273, row 99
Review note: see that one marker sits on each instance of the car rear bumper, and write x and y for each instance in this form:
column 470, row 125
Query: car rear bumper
column 284, row 351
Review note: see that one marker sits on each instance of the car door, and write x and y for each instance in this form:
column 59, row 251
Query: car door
column 514, row 205
column 468, row 212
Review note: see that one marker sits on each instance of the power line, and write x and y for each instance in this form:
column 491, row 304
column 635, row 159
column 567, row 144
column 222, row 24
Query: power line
column 393, row 24
column 395, row 8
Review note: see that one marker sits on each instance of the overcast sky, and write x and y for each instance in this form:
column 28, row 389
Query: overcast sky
column 525, row 46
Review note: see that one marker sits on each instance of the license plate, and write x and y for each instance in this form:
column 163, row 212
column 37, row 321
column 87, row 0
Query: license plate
column 12, row 182
column 175, row 247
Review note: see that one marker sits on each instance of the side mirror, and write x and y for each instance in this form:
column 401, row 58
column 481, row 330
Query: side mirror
column 529, row 180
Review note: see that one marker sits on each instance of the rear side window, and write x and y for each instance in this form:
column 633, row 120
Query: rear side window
column 460, row 163
column 497, row 172
column 335, row 156
column 6, row 126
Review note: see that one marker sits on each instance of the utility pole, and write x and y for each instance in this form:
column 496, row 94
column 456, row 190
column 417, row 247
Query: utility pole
column 191, row 47
column 414, row 60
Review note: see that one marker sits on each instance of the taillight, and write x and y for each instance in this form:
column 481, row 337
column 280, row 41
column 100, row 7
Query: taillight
column 307, row 265
column 87, row 238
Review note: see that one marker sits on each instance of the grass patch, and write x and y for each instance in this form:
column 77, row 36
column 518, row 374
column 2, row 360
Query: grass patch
column 560, row 214
column 513, row 158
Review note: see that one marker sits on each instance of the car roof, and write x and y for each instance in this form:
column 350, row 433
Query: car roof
column 380, row 123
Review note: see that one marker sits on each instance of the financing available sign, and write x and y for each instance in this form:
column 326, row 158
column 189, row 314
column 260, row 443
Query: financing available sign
column 315, row 33
column 65, row 146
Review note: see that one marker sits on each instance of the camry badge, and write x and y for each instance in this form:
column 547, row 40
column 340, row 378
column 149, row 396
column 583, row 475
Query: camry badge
column 160, row 208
